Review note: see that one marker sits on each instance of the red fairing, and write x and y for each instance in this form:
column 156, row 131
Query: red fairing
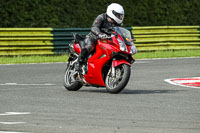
column 128, row 48
column 115, row 41
column 77, row 48
column 96, row 63
column 119, row 62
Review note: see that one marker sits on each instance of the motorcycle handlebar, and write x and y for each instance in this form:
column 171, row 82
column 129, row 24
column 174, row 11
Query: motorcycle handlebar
column 108, row 31
column 106, row 38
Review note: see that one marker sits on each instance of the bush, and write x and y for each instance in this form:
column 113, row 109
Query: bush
column 81, row 13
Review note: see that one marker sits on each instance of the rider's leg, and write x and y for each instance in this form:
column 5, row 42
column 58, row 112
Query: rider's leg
column 89, row 42
column 83, row 55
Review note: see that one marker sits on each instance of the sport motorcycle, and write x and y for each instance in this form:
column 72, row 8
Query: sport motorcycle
column 108, row 66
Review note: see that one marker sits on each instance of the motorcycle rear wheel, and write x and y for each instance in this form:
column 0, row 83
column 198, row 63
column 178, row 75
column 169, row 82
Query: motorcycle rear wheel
column 70, row 79
column 116, row 83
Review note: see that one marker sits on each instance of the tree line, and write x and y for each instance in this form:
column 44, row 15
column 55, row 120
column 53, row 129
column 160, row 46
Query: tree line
column 81, row 13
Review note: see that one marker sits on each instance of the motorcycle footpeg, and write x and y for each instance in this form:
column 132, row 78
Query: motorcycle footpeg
column 81, row 79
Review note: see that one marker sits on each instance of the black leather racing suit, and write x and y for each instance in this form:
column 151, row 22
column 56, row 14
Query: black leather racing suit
column 101, row 22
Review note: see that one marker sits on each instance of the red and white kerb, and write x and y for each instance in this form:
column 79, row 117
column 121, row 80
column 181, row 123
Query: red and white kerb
column 193, row 82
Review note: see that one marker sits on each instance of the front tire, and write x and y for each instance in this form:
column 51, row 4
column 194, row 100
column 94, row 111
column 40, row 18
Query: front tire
column 116, row 83
column 70, row 79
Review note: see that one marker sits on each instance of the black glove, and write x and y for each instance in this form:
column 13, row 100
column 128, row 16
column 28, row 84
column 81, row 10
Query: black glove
column 103, row 36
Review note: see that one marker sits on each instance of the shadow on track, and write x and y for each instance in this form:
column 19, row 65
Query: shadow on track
column 128, row 91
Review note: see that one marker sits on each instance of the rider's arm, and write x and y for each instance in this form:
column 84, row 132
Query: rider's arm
column 95, row 29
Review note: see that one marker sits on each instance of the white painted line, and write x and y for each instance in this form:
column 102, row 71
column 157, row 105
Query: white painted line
column 12, row 123
column 12, row 132
column 186, row 81
column 14, row 84
column 10, row 83
column 15, row 113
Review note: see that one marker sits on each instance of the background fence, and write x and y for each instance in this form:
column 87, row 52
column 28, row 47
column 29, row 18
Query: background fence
column 37, row 41
column 167, row 38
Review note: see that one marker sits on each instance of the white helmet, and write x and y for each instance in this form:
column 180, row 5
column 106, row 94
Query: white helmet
column 116, row 12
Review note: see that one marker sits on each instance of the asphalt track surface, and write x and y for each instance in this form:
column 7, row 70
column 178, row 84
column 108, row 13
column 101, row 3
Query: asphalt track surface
column 33, row 100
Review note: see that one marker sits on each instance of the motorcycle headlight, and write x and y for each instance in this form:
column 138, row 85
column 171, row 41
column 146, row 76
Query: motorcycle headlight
column 122, row 45
column 133, row 50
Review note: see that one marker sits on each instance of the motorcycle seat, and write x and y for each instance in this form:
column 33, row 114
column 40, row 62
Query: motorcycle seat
column 82, row 44
column 78, row 38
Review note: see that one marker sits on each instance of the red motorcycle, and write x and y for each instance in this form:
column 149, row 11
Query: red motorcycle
column 108, row 66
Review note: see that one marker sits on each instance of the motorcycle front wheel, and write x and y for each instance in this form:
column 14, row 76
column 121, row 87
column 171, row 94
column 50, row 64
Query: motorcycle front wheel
column 70, row 79
column 117, row 82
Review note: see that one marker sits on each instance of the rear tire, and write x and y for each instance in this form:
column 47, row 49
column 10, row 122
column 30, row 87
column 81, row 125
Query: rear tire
column 70, row 79
column 116, row 83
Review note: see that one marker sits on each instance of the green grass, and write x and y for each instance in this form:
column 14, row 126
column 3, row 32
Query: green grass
column 63, row 58
column 167, row 54
column 33, row 59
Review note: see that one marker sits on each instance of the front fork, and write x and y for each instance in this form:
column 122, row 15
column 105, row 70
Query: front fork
column 113, row 68
column 116, row 63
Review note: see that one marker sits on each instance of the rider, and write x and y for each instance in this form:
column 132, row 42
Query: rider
column 113, row 17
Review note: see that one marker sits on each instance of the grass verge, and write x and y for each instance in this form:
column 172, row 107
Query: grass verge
column 63, row 58
column 33, row 59
column 167, row 54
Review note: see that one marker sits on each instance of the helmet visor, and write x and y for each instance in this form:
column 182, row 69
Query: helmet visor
column 118, row 15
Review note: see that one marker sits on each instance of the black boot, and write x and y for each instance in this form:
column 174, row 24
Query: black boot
column 81, row 59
